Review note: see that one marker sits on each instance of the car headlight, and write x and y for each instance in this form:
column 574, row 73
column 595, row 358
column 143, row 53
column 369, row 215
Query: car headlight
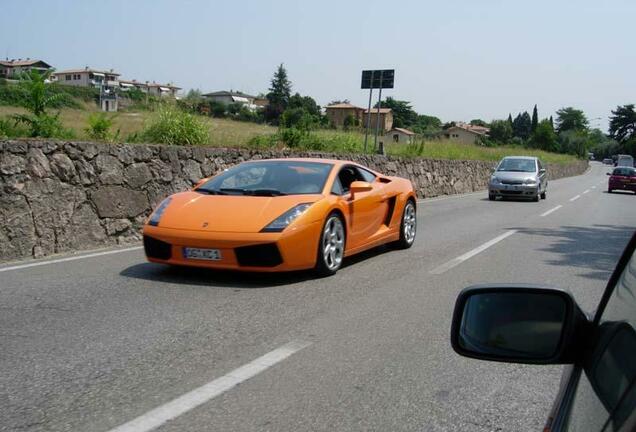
column 156, row 215
column 530, row 182
column 494, row 180
column 282, row 221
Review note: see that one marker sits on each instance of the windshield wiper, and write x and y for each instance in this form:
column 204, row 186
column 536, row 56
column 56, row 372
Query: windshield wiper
column 265, row 192
column 210, row 191
column 254, row 192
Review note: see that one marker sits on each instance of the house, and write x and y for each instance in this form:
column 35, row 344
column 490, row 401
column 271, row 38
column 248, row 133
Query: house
column 466, row 133
column 261, row 102
column 386, row 119
column 162, row 90
column 400, row 136
column 230, row 97
column 88, row 77
column 125, row 85
column 338, row 113
column 12, row 69
column 106, row 81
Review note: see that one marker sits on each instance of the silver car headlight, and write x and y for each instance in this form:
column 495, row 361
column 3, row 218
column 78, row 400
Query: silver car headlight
column 282, row 221
column 495, row 180
column 530, row 182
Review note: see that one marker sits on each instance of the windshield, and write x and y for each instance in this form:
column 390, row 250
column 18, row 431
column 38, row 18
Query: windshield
column 517, row 165
column 627, row 172
column 270, row 178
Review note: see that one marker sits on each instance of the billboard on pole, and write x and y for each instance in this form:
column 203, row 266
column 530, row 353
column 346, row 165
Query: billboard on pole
column 378, row 79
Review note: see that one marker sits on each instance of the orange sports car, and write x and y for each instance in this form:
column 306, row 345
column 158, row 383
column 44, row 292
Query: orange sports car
column 281, row 215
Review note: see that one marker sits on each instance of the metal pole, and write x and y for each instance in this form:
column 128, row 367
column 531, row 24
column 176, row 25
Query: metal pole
column 377, row 120
column 366, row 131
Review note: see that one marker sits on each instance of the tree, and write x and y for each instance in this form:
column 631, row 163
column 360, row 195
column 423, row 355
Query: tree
column 194, row 95
column 37, row 101
column 427, row 124
column 305, row 102
column 522, row 126
column 552, row 122
column 574, row 142
column 279, row 94
column 510, row 119
column 535, row 118
column 500, row 131
column 478, row 122
column 622, row 125
column 570, row 119
column 403, row 114
column 338, row 101
column 544, row 137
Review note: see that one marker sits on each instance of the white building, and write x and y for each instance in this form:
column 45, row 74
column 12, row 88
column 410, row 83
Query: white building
column 230, row 97
column 399, row 136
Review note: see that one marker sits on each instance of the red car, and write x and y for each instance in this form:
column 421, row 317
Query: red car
column 622, row 178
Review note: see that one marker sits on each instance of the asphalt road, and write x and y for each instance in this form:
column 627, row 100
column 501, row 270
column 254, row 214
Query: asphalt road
column 94, row 343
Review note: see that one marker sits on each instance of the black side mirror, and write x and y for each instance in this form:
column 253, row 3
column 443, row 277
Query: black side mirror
column 542, row 171
column 517, row 324
column 608, row 173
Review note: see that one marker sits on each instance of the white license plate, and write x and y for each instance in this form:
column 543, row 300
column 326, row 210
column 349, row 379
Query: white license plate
column 202, row 254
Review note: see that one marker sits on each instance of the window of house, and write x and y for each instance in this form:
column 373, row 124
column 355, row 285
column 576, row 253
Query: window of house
column 67, row 77
column 396, row 138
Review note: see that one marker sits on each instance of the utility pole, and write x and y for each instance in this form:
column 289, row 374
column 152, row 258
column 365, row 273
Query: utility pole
column 377, row 119
column 366, row 130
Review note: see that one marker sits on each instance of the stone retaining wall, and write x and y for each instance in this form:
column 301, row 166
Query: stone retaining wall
column 63, row 196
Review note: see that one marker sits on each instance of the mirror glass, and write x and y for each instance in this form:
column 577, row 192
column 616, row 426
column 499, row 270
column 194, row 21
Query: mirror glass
column 513, row 325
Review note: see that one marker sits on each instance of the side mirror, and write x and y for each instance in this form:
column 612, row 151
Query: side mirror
column 516, row 324
column 542, row 171
column 360, row 186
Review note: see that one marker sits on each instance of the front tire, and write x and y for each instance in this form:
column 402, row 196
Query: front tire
column 331, row 246
column 543, row 194
column 408, row 227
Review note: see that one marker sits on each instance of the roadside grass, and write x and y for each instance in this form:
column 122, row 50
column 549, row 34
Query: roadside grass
column 231, row 133
column 223, row 132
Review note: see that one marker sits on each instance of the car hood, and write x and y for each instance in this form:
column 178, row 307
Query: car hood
column 227, row 213
column 514, row 175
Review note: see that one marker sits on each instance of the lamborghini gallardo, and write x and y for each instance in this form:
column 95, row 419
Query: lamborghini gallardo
column 282, row 215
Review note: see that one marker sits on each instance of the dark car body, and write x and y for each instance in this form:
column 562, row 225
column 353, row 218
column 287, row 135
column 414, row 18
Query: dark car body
column 622, row 178
column 541, row 325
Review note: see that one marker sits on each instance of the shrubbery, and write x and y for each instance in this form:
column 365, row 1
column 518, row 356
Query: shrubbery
column 99, row 127
column 175, row 127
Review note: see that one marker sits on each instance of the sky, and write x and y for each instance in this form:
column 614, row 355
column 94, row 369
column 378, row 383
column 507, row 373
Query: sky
column 455, row 59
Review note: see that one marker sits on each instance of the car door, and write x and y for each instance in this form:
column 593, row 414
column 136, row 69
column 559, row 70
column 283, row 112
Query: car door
column 366, row 210
column 602, row 387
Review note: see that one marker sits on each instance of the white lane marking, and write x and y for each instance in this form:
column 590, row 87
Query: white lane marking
column 184, row 403
column 593, row 187
column 575, row 198
column 73, row 258
column 460, row 259
column 552, row 210
column 585, row 191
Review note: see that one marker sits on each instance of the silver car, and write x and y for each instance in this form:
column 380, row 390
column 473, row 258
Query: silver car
column 518, row 177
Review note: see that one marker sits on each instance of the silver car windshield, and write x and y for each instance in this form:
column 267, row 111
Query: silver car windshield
column 517, row 165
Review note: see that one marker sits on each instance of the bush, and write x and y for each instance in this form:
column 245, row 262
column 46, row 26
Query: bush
column 99, row 125
column 10, row 129
column 263, row 141
column 174, row 127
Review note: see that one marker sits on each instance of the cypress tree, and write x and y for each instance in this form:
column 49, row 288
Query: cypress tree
column 535, row 118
